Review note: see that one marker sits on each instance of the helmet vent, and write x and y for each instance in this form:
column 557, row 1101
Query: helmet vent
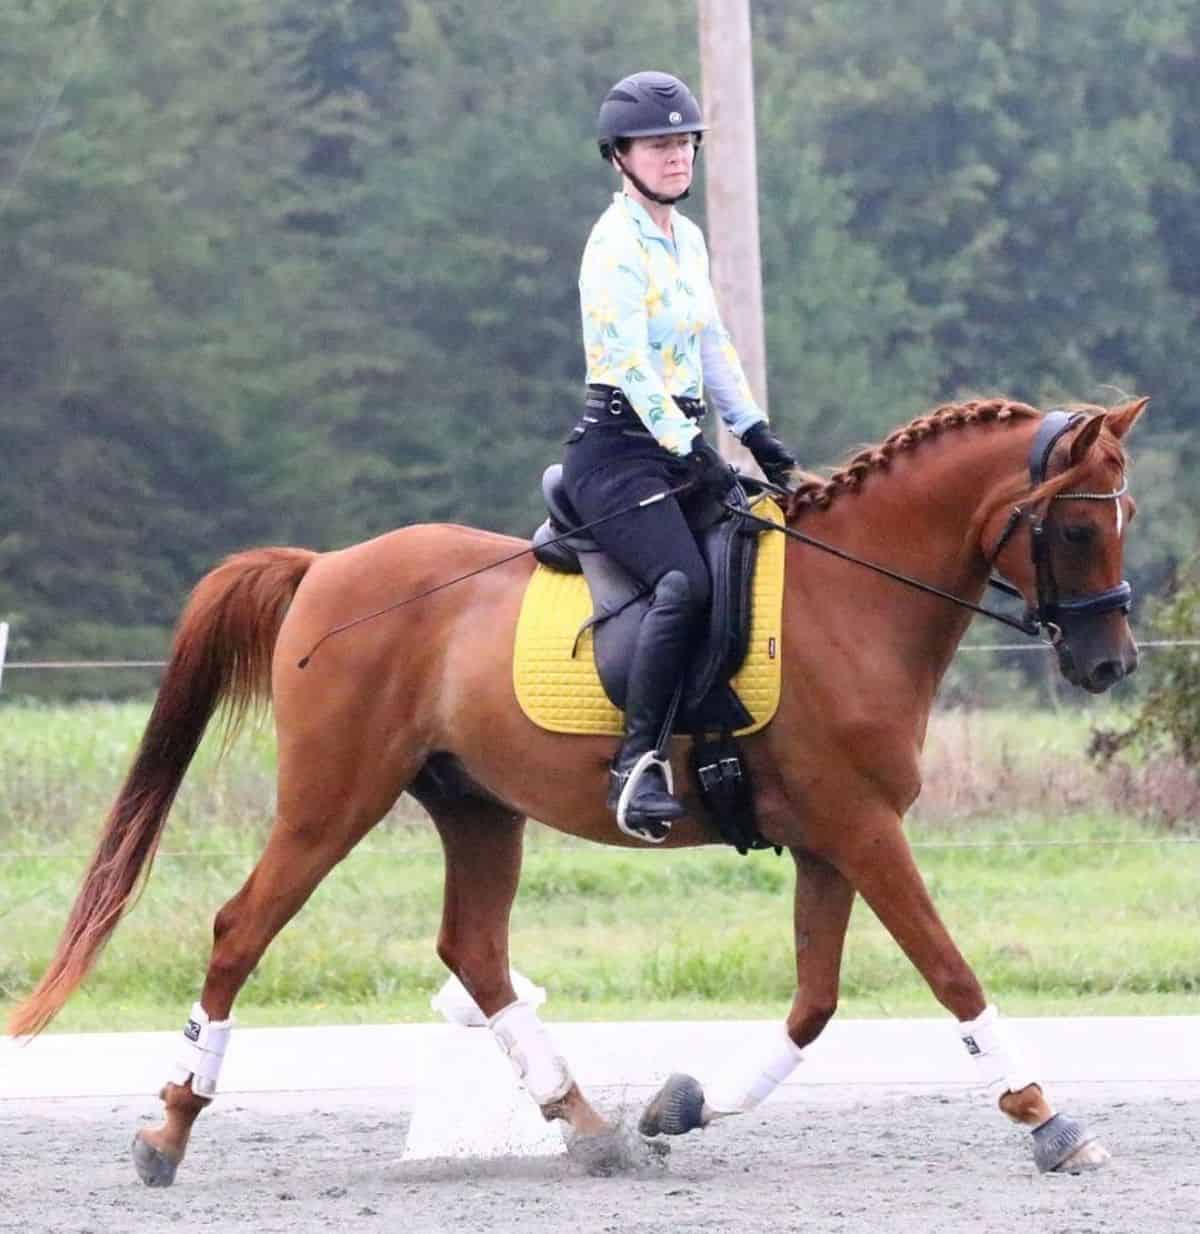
column 620, row 96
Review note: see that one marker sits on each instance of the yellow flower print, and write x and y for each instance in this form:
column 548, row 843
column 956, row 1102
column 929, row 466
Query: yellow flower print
column 654, row 300
column 670, row 367
column 601, row 312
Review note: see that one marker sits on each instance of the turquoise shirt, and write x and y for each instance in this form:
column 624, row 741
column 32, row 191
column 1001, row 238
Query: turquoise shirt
column 651, row 325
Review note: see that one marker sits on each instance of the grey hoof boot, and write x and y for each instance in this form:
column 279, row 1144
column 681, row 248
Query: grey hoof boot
column 676, row 1109
column 1057, row 1140
column 154, row 1167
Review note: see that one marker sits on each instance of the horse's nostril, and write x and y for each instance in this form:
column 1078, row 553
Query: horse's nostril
column 1108, row 673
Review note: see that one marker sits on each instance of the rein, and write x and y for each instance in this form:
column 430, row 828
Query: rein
column 887, row 572
column 1045, row 614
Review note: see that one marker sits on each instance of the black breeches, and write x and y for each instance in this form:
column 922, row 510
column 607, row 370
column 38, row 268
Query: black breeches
column 605, row 471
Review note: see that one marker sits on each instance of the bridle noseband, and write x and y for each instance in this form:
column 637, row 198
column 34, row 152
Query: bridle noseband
column 1049, row 612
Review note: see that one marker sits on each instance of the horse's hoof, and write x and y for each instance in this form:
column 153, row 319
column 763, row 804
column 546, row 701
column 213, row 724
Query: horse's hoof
column 154, row 1167
column 676, row 1109
column 1090, row 1156
column 1062, row 1145
column 616, row 1152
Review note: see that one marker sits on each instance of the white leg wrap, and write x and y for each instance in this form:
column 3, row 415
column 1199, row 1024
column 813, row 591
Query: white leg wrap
column 199, row 1060
column 746, row 1082
column 1002, row 1062
column 521, row 1034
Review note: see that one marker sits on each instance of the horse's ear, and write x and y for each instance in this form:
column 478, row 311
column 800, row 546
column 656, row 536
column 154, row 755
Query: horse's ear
column 1121, row 419
column 1084, row 440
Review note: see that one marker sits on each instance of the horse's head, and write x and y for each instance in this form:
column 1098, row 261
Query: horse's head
column 1062, row 544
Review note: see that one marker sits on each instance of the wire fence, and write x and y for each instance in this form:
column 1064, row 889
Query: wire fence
column 51, row 665
column 924, row 845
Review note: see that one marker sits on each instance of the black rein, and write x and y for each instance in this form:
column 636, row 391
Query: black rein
column 1048, row 612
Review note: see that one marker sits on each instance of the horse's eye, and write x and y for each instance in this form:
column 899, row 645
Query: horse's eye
column 1079, row 533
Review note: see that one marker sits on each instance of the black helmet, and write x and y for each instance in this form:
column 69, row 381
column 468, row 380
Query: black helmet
column 647, row 104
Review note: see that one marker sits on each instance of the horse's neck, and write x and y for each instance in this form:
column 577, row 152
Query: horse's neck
column 921, row 518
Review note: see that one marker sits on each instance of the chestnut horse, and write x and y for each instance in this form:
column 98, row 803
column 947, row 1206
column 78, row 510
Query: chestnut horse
column 422, row 701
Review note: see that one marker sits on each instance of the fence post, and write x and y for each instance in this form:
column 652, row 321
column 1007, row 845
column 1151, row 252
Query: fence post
column 3, row 648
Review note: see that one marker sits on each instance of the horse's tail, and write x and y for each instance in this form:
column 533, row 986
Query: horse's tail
column 221, row 655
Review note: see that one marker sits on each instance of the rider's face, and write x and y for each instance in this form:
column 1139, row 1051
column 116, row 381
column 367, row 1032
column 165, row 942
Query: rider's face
column 664, row 163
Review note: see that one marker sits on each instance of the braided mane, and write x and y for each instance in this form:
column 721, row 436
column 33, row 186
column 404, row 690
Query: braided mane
column 813, row 492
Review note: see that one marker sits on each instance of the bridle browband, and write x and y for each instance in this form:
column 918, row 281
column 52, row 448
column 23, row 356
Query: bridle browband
column 1048, row 612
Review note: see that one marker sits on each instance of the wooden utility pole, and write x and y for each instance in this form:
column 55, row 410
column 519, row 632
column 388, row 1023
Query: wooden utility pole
column 731, row 189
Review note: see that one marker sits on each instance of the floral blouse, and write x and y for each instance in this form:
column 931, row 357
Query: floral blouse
column 651, row 325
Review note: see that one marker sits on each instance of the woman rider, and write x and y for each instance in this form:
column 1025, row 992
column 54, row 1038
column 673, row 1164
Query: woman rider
column 655, row 346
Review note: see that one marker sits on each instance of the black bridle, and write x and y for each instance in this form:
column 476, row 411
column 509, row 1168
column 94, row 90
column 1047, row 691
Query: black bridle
column 1047, row 612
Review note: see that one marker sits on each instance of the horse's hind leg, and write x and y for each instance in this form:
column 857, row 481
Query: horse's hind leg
column 483, row 841
column 321, row 816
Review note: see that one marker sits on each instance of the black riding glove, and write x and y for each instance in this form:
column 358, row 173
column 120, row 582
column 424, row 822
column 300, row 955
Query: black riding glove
column 711, row 473
column 770, row 454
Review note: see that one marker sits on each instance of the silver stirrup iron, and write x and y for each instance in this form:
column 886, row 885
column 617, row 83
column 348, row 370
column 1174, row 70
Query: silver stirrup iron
column 635, row 773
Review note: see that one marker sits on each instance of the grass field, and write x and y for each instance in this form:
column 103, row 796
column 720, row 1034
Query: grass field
column 1070, row 890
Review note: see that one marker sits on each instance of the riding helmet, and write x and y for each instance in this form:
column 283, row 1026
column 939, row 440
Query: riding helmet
column 646, row 104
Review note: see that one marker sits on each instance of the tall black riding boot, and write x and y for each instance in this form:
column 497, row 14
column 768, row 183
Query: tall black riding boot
column 659, row 661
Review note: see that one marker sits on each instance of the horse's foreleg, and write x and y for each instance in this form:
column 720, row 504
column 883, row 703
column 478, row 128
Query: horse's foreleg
column 824, row 898
column 822, row 912
column 482, row 844
column 879, row 862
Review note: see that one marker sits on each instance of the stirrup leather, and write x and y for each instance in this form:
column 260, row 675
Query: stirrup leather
column 631, row 778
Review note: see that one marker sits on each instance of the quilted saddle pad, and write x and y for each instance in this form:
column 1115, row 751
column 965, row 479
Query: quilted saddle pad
column 561, row 692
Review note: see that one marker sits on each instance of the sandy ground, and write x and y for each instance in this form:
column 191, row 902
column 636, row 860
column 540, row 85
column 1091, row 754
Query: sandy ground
column 916, row 1162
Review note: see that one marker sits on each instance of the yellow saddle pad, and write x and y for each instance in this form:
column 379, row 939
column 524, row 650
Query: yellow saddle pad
column 562, row 692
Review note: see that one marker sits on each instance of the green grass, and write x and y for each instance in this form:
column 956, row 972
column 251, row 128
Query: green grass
column 1102, row 922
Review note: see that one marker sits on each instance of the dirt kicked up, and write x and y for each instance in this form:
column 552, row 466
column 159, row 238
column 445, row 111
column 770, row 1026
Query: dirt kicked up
column 852, row 1162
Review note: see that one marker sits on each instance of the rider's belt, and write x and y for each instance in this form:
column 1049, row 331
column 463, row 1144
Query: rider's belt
column 608, row 404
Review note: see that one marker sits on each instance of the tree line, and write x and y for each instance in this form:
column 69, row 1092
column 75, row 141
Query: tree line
column 299, row 272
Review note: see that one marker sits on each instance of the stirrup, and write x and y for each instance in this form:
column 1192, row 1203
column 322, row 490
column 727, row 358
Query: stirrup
column 631, row 778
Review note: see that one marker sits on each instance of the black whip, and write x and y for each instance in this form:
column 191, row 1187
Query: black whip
column 491, row 565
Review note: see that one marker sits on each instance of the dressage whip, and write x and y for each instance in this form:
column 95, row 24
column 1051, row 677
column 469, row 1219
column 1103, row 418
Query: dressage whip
column 491, row 565
column 762, row 523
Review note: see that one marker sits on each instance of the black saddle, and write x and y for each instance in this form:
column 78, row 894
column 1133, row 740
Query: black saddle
column 728, row 545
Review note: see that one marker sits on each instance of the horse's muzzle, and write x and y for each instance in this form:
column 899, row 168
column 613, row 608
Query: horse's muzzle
column 1088, row 663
